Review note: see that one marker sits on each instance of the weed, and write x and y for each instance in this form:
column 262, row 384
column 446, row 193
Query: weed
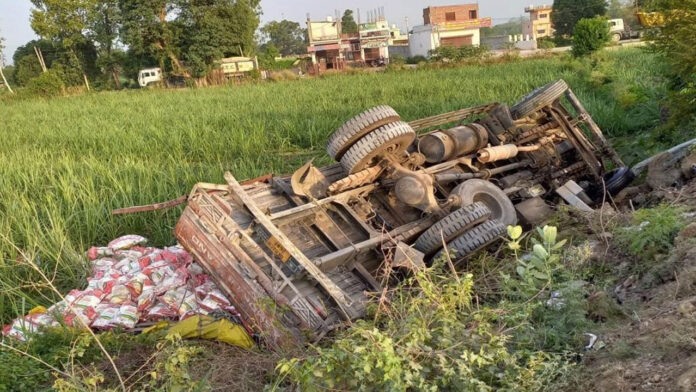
column 652, row 232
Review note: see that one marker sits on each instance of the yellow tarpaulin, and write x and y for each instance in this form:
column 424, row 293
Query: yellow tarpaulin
column 206, row 327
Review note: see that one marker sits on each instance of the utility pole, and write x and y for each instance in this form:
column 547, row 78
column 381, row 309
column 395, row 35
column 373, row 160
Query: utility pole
column 2, row 65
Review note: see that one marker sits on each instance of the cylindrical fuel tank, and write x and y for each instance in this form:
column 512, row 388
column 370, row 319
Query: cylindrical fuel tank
column 450, row 143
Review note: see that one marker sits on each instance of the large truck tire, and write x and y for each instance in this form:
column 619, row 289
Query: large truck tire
column 392, row 138
column 451, row 226
column 477, row 190
column 473, row 240
column 357, row 127
column 539, row 98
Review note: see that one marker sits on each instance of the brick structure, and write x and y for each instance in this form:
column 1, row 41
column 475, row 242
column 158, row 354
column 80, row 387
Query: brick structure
column 450, row 14
column 455, row 26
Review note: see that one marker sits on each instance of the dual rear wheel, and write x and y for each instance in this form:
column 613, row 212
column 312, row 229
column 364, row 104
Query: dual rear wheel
column 378, row 132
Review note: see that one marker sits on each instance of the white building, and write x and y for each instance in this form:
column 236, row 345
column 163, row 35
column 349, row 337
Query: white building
column 454, row 26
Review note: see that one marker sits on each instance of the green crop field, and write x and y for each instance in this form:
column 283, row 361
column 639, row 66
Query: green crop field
column 65, row 163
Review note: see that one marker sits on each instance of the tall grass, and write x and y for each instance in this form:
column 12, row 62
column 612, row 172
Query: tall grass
column 66, row 163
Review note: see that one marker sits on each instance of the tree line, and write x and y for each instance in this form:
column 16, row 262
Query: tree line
column 107, row 41
column 104, row 43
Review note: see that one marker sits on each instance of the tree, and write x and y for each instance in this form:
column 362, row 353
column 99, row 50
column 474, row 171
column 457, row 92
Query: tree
column 2, row 64
column 216, row 29
column 566, row 13
column 512, row 26
column 677, row 42
column 348, row 24
column 64, row 22
column 287, row 36
column 104, row 21
column 27, row 65
column 149, row 34
column 590, row 35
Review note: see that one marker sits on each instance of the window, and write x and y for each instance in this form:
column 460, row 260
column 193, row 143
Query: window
column 541, row 31
column 543, row 16
column 473, row 14
column 450, row 16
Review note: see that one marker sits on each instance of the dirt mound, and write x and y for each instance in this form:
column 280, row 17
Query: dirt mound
column 651, row 346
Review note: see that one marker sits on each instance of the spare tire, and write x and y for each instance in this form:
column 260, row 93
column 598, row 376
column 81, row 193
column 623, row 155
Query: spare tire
column 474, row 239
column 451, row 226
column 539, row 98
column 477, row 190
column 392, row 138
column 352, row 130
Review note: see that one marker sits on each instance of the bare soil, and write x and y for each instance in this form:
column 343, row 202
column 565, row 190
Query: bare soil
column 646, row 323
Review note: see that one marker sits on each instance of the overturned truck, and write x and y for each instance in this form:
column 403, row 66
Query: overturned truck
column 299, row 255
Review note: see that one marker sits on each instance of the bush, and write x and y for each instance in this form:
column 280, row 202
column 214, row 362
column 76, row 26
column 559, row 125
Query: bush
column 590, row 35
column 416, row 60
column 467, row 52
column 48, row 84
column 428, row 334
column 652, row 232
column 546, row 43
column 677, row 41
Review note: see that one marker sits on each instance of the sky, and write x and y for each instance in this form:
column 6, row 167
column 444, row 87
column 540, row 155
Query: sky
column 14, row 14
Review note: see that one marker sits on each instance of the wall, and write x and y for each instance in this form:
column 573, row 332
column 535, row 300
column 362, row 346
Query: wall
column 323, row 31
column 437, row 15
column 421, row 41
column 400, row 51
column 475, row 33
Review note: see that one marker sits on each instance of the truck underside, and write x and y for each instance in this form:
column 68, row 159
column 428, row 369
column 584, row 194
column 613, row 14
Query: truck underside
column 301, row 255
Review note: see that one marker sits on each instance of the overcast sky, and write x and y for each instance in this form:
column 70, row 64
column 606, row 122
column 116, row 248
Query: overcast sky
column 14, row 14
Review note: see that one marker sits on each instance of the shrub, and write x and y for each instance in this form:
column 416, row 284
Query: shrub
column 467, row 52
column 546, row 43
column 590, row 36
column 428, row 334
column 48, row 84
column 677, row 41
column 416, row 60
column 653, row 231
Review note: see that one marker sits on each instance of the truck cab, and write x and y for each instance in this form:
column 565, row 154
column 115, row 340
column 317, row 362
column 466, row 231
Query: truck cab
column 619, row 31
column 149, row 75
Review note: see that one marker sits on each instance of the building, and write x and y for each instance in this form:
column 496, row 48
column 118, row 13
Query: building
column 325, row 43
column 330, row 48
column 539, row 24
column 454, row 26
column 375, row 37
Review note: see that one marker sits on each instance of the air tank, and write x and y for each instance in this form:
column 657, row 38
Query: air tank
column 447, row 144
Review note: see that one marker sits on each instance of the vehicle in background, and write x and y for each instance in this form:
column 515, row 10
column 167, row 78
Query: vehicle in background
column 620, row 31
column 230, row 68
column 236, row 67
column 149, row 76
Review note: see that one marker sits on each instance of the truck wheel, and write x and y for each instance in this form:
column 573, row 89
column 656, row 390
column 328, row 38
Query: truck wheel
column 392, row 138
column 618, row 179
column 477, row 190
column 355, row 128
column 451, row 226
column 616, row 37
column 473, row 240
column 539, row 98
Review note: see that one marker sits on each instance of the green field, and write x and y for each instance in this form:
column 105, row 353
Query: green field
column 65, row 163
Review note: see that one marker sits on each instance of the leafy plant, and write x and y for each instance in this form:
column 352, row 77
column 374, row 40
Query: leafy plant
column 466, row 52
column 48, row 84
column 589, row 36
column 652, row 232
column 427, row 335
